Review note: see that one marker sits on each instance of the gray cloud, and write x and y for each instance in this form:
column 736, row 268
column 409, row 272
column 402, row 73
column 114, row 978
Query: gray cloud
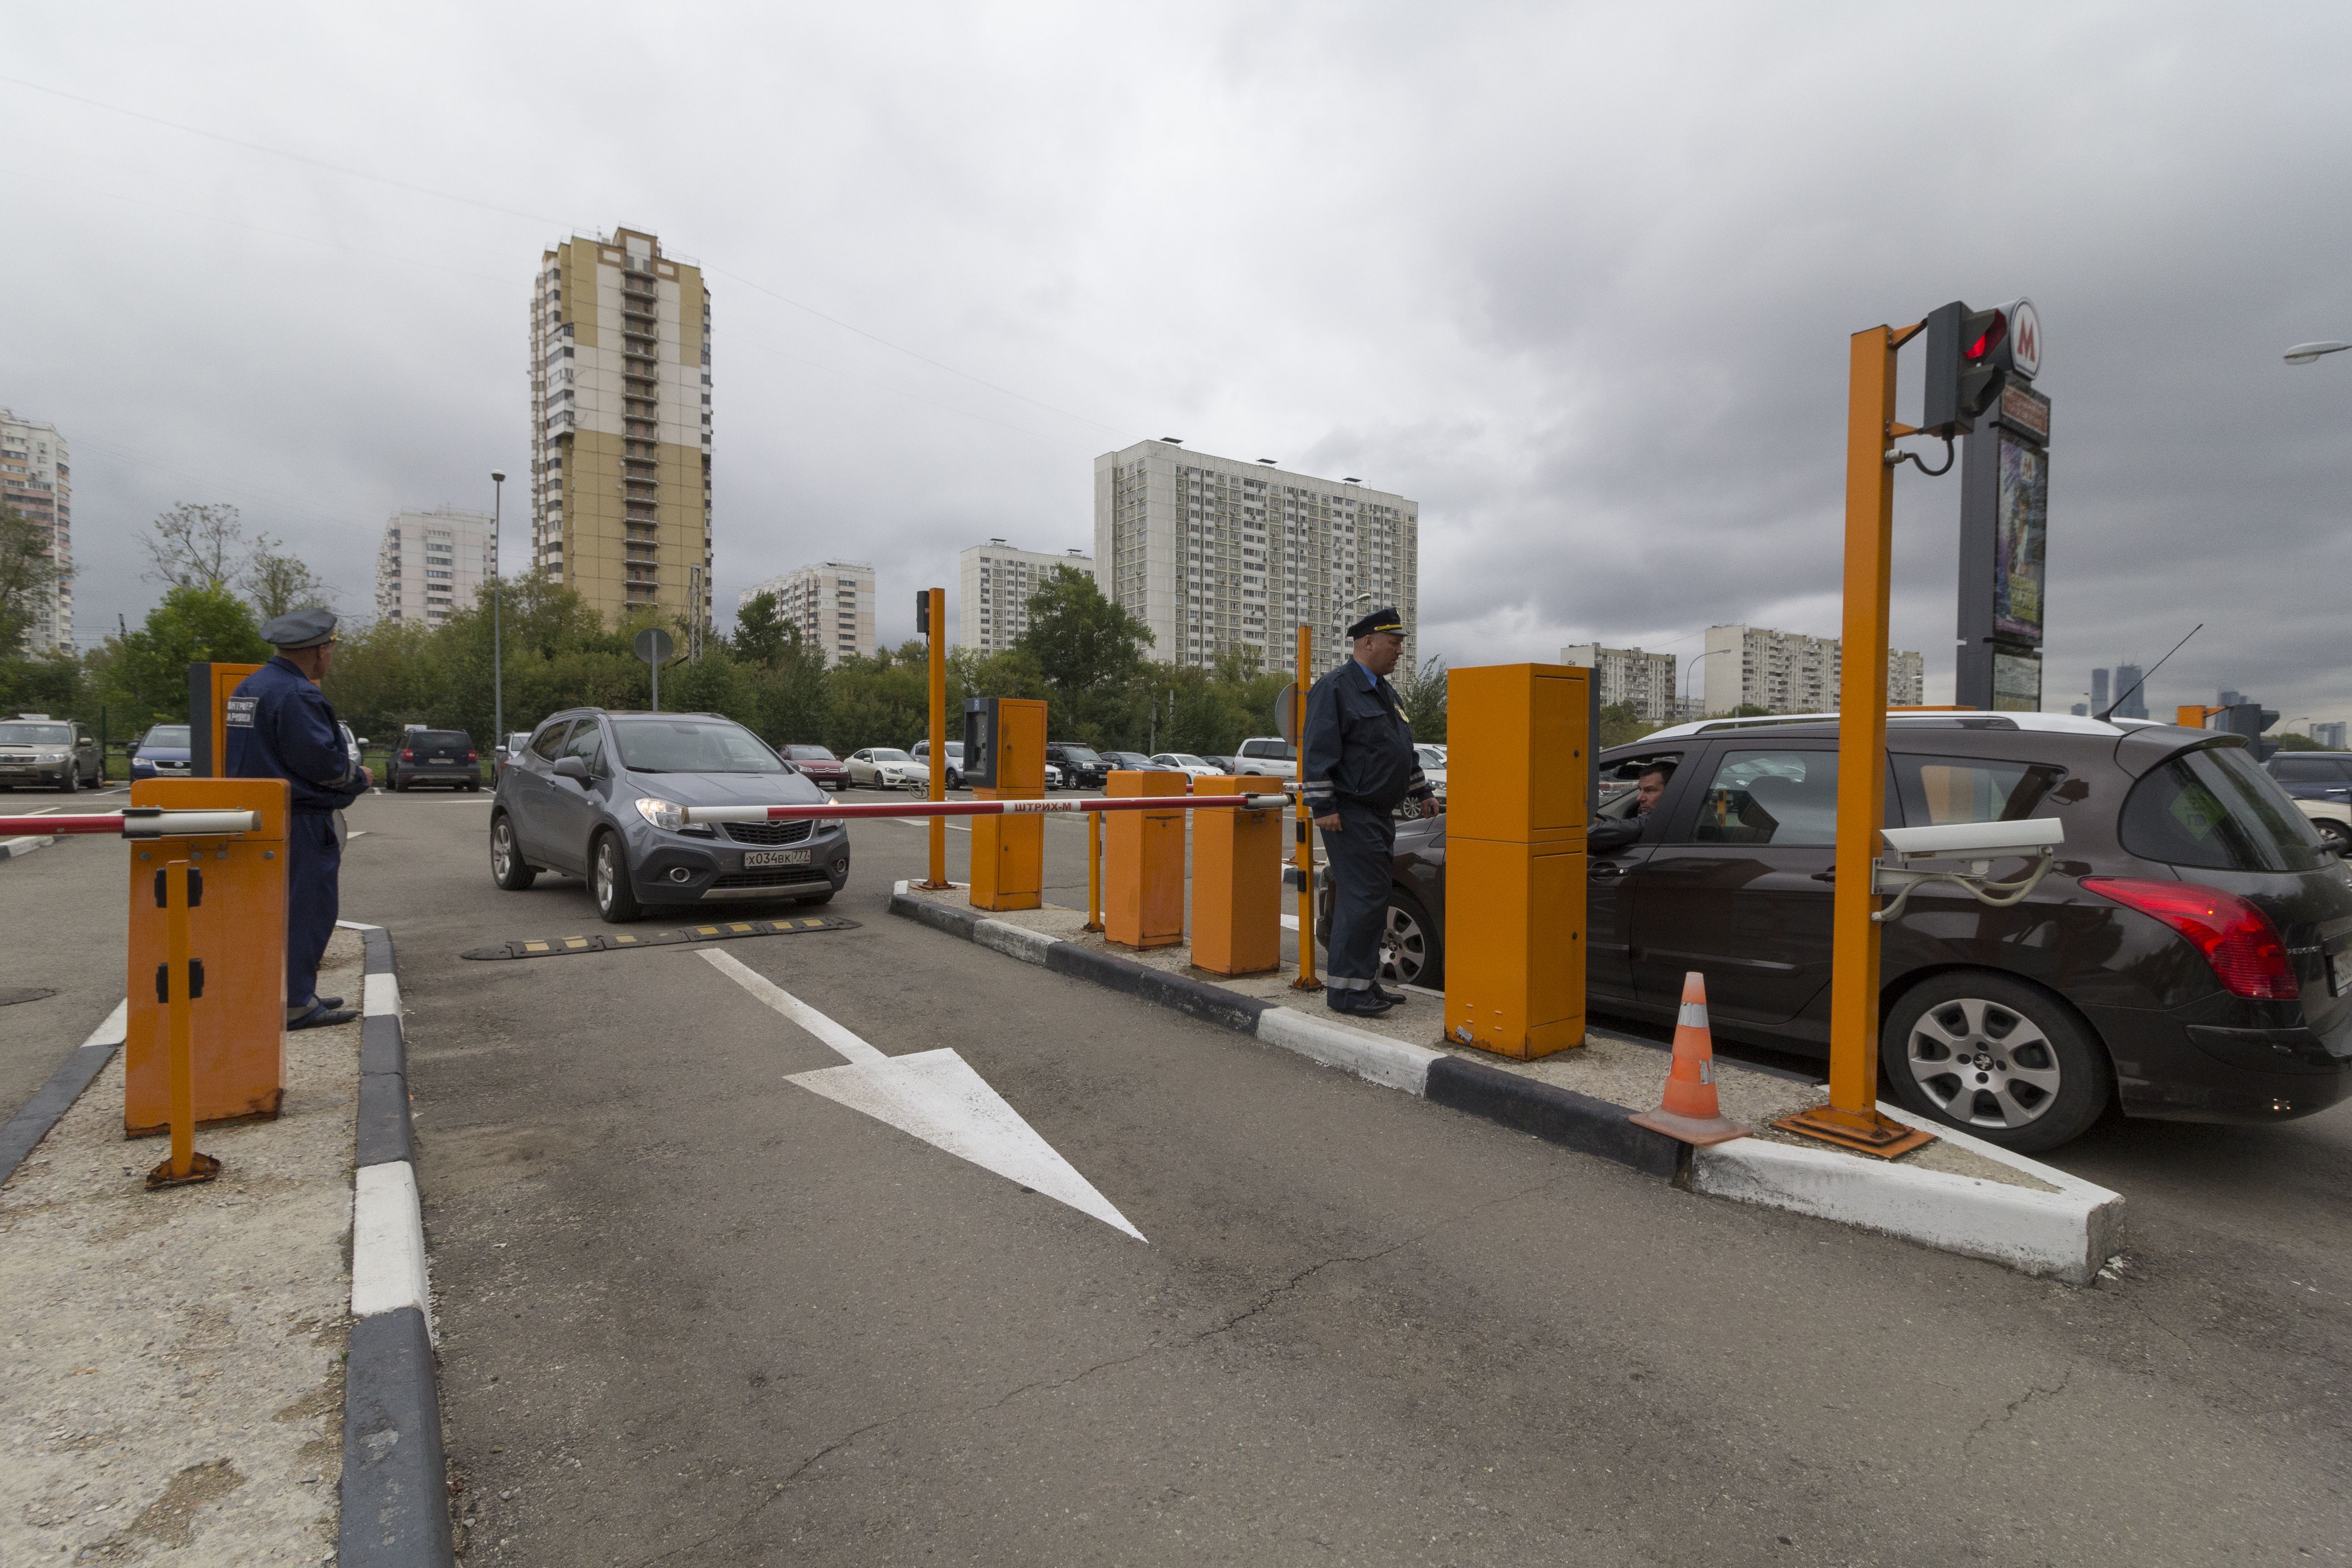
column 1578, row 279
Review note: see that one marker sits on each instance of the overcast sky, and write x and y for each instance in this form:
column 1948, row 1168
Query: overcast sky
column 1577, row 279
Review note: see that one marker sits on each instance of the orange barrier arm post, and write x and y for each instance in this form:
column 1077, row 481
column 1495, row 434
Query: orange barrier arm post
column 178, row 982
column 237, row 1044
column 1851, row 1117
column 935, row 622
column 1515, row 857
column 1094, row 870
column 1236, row 885
column 1143, row 876
column 1303, row 850
column 1008, row 853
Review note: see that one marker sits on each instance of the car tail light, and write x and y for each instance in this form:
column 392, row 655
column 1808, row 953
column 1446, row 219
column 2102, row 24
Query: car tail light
column 473, row 756
column 406, row 755
column 2237, row 939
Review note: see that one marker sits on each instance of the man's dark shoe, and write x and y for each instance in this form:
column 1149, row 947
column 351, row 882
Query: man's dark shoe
column 322, row 1018
column 1358, row 1004
column 331, row 1001
column 1394, row 998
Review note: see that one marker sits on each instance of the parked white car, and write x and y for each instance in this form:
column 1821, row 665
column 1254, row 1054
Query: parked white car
column 887, row 767
column 1266, row 756
column 1185, row 763
column 921, row 752
column 2334, row 820
column 1432, row 766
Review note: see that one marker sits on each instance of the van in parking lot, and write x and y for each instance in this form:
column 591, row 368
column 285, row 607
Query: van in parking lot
column 2189, row 958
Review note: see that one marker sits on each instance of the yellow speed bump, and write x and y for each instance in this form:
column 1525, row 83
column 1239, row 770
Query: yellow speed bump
column 613, row 942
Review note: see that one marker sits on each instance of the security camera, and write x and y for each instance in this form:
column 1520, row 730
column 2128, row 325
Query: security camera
column 1976, row 840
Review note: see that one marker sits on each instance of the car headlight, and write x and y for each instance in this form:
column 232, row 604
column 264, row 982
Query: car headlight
column 53, row 756
column 665, row 814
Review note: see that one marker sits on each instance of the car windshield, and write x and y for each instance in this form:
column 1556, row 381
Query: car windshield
column 1083, row 755
column 810, row 755
column 1186, row 760
column 166, row 735
column 41, row 735
column 684, row 745
column 885, row 754
column 1431, row 757
column 2215, row 809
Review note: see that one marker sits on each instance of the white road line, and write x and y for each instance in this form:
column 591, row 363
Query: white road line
column 357, row 832
column 840, row 1039
column 1291, row 922
column 113, row 1028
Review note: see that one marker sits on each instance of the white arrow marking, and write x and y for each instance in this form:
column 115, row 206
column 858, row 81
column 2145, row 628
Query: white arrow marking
column 933, row 1095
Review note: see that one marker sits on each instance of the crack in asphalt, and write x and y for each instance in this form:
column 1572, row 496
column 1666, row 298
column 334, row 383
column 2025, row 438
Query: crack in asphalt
column 1266, row 1299
column 2008, row 1411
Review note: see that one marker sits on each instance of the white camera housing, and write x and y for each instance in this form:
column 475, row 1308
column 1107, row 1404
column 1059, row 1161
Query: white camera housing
column 1976, row 840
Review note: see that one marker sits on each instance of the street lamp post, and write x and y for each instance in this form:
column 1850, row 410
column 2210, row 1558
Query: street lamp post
column 497, row 619
column 2312, row 353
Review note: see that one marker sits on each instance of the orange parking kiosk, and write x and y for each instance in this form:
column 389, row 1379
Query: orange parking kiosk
column 1520, row 746
column 1143, row 863
column 1236, row 884
column 237, row 931
column 209, row 686
column 1008, row 853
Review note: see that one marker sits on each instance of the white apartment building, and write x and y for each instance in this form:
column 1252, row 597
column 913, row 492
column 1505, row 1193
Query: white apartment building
column 1627, row 675
column 430, row 565
column 1213, row 553
column 992, row 603
column 38, row 481
column 1788, row 672
column 832, row 603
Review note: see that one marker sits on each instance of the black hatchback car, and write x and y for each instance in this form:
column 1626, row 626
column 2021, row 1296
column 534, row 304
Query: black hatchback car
column 436, row 757
column 2190, row 957
column 1082, row 767
column 598, row 793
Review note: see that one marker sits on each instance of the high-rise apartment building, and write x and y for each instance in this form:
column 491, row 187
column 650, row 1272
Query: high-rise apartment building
column 832, row 603
column 1213, row 553
column 36, row 480
column 620, row 407
column 1627, row 676
column 2329, row 734
column 992, row 603
column 430, row 565
column 2098, row 692
column 1788, row 672
column 2131, row 693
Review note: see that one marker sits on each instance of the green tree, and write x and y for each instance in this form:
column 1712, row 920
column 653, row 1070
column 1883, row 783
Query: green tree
column 191, row 626
column 1090, row 652
column 762, row 635
column 28, row 573
column 278, row 583
column 194, row 546
column 884, row 701
column 1422, row 689
column 2288, row 741
column 1621, row 724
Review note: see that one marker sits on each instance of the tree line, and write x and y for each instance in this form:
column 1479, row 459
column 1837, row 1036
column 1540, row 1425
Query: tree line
column 1087, row 658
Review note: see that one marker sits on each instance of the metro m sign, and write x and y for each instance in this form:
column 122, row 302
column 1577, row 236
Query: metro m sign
column 2024, row 337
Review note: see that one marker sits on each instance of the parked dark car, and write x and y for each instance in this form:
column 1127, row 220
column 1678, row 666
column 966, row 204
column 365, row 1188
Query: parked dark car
column 2189, row 958
column 2314, row 775
column 161, row 753
column 436, row 757
column 598, row 793
column 819, row 765
column 55, row 753
column 1128, row 761
column 1082, row 767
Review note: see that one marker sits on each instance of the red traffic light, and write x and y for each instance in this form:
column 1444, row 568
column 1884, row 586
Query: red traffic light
column 1996, row 330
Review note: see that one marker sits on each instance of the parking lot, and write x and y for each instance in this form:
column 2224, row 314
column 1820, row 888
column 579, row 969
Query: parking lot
column 693, row 1313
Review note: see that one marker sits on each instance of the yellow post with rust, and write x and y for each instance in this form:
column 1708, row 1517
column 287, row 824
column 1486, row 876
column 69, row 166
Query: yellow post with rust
column 1851, row 1117
column 1303, row 850
column 939, row 736
column 1094, row 871
column 178, row 993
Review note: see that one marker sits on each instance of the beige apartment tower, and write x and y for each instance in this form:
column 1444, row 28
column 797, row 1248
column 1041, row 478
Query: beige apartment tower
column 620, row 404
column 36, row 479
column 996, row 582
column 832, row 603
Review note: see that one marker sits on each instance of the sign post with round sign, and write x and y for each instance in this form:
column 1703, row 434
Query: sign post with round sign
column 655, row 646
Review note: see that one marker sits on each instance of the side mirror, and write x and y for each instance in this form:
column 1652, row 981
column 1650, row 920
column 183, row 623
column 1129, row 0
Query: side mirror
column 364, row 741
column 571, row 768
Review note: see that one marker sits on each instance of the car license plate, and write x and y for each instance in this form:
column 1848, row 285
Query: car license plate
column 2339, row 972
column 753, row 858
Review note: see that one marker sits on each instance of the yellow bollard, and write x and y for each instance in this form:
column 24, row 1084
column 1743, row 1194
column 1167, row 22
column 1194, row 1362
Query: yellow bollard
column 1236, row 884
column 1094, row 870
column 1143, row 879
column 178, row 982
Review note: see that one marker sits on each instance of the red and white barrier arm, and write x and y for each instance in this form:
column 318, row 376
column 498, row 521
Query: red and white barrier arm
column 138, row 822
column 831, row 810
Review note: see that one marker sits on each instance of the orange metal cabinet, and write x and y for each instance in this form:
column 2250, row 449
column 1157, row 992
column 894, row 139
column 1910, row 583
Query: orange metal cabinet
column 1519, row 741
column 208, row 688
column 1236, row 884
column 1529, row 728
column 239, row 932
column 1143, row 864
column 1008, row 853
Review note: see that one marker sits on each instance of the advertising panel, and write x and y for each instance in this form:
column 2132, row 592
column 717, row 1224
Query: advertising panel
column 2021, row 522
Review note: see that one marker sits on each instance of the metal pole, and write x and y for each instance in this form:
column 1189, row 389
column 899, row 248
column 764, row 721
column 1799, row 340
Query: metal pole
column 939, row 734
column 1094, row 867
column 655, row 665
column 498, row 619
column 1303, row 850
column 1851, row 1117
column 178, row 990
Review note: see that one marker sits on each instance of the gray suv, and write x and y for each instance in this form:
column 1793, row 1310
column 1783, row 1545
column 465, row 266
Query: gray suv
column 597, row 793
column 58, row 753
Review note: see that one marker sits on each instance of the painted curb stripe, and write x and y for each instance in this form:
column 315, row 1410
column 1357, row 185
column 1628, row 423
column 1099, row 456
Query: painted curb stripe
column 388, row 1243
column 26, row 1129
column 396, row 1497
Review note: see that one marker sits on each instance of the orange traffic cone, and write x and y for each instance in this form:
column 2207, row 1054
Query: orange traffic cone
column 1690, row 1111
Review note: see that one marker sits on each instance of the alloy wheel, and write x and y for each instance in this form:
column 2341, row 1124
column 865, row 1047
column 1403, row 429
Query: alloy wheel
column 502, row 849
column 604, row 870
column 1405, row 949
column 1983, row 1064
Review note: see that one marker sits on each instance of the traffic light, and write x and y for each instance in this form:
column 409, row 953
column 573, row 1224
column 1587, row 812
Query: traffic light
column 2250, row 720
column 1966, row 366
column 922, row 611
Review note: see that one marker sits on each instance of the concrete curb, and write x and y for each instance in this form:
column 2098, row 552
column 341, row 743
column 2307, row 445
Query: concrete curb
column 2065, row 1235
column 26, row 1129
column 395, row 1487
column 11, row 847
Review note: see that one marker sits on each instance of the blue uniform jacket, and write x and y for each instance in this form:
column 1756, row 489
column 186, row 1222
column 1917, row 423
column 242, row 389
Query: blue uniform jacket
column 282, row 727
column 1359, row 746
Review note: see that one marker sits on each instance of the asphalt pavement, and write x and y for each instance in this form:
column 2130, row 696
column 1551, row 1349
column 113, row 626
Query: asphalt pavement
column 695, row 1312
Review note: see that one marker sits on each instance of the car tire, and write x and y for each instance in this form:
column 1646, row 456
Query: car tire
column 508, row 868
column 2335, row 832
column 1412, row 948
column 1996, row 1056
column 608, row 878
column 70, row 784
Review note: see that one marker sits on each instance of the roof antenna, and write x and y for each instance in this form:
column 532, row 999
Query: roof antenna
column 2151, row 670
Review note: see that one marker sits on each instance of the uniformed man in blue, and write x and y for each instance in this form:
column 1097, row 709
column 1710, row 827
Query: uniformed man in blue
column 1357, row 766
column 280, row 726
